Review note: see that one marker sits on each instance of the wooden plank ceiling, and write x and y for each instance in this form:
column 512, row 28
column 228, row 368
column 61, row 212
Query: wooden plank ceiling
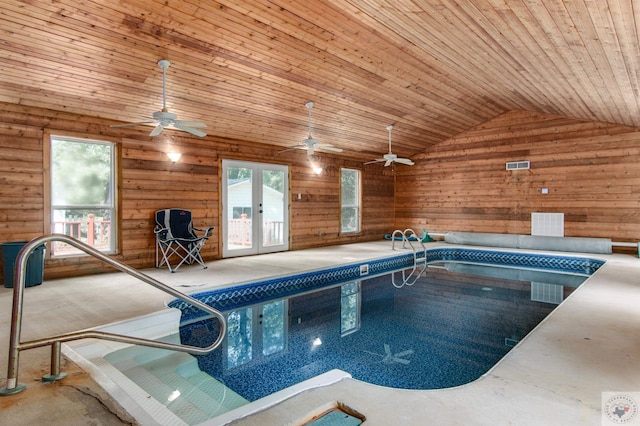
column 432, row 68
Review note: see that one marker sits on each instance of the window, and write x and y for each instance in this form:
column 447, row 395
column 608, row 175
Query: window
column 239, row 337
column 273, row 327
column 83, row 193
column 256, row 332
column 349, row 308
column 350, row 199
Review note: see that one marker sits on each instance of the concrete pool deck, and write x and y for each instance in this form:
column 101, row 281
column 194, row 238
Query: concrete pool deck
column 557, row 375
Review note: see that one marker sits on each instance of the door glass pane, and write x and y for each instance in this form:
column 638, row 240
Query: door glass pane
column 273, row 331
column 239, row 337
column 239, row 210
column 256, row 208
column 273, row 207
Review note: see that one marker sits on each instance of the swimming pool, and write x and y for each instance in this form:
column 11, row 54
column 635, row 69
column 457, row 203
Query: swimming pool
column 445, row 330
column 325, row 288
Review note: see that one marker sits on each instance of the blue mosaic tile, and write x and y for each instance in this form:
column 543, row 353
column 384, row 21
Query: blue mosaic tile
column 567, row 264
column 247, row 294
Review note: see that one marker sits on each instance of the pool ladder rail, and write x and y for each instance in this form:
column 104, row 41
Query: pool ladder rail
column 408, row 237
column 15, row 345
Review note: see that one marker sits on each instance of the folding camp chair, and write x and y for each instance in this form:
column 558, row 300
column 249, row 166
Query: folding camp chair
column 176, row 239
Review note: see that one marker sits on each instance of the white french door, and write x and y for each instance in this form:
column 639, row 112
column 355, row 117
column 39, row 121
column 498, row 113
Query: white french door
column 255, row 208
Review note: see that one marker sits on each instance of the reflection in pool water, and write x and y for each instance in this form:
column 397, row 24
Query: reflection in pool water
column 447, row 329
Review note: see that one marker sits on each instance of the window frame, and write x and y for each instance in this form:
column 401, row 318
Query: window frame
column 48, row 138
column 357, row 206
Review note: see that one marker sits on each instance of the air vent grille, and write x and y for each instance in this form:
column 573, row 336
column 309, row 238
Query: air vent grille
column 518, row 165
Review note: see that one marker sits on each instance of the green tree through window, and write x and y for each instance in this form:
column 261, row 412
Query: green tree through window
column 82, row 192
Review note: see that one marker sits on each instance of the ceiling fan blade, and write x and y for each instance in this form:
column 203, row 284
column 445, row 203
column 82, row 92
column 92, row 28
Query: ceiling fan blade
column 291, row 148
column 400, row 360
column 132, row 124
column 406, row 161
column 190, row 123
column 404, row 353
column 195, row 132
column 388, row 163
column 180, row 125
column 329, row 148
column 375, row 161
column 387, row 349
column 157, row 130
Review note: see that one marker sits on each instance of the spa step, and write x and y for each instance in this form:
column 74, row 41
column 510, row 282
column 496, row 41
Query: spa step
column 162, row 392
column 204, row 383
column 142, row 354
column 226, row 398
column 180, row 372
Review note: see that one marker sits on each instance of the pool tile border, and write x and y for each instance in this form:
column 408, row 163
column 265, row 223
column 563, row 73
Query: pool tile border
column 250, row 293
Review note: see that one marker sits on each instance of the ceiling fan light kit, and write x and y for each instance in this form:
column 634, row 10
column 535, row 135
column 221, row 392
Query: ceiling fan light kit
column 164, row 119
column 174, row 156
column 315, row 163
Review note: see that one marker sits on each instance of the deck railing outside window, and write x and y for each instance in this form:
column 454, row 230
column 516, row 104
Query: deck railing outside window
column 93, row 232
column 240, row 231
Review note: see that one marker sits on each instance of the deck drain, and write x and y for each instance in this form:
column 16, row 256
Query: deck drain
column 337, row 416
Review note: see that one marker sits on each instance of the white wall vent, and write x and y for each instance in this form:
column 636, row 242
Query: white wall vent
column 518, row 165
column 547, row 224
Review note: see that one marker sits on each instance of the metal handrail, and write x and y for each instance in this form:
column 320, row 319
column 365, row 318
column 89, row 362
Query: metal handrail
column 406, row 234
column 15, row 346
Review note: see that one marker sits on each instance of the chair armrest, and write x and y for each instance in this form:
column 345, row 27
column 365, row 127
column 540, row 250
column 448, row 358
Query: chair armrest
column 207, row 232
column 158, row 230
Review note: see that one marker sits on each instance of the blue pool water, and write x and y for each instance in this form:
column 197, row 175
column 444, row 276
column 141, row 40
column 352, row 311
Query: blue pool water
column 448, row 328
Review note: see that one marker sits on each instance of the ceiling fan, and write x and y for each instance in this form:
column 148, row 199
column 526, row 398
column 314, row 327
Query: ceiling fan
column 163, row 118
column 389, row 357
column 391, row 158
column 310, row 143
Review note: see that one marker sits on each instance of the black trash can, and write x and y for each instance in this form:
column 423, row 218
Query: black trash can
column 35, row 264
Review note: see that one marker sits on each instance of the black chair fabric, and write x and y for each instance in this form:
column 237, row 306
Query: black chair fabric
column 177, row 241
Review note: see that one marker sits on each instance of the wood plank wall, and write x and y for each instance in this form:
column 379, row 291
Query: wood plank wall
column 591, row 170
column 149, row 181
